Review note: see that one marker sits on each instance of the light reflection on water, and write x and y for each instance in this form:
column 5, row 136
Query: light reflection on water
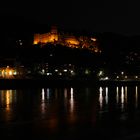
column 117, row 94
column 43, row 94
column 136, row 96
column 48, row 93
column 43, row 104
column 7, row 98
column 122, row 98
column 71, row 100
column 106, row 96
column 72, row 113
column 67, row 105
column 121, row 95
column 103, row 97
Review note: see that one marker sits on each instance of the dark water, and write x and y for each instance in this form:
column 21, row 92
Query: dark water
column 111, row 112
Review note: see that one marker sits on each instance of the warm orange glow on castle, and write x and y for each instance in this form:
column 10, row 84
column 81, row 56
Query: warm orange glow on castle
column 47, row 37
column 71, row 40
column 66, row 40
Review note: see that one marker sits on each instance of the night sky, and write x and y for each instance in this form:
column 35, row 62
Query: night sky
column 120, row 16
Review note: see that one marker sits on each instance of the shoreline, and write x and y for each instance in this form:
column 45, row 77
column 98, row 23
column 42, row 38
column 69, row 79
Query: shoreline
column 40, row 83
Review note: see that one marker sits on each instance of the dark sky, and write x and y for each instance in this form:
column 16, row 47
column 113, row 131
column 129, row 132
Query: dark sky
column 121, row 16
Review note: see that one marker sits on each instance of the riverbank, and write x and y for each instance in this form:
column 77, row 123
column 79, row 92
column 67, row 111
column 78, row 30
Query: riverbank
column 119, row 82
column 26, row 83
column 23, row 83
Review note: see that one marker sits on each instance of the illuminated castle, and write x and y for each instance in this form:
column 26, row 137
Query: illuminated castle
column 54, row 37
column 47, row 37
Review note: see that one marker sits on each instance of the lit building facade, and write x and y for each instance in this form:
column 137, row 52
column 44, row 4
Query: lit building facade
column 67, row 40
column 7, row 72
column 11, row 72
column 46, row 38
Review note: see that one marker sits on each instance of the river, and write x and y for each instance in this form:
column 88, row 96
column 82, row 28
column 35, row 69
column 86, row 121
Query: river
column 100, row 112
